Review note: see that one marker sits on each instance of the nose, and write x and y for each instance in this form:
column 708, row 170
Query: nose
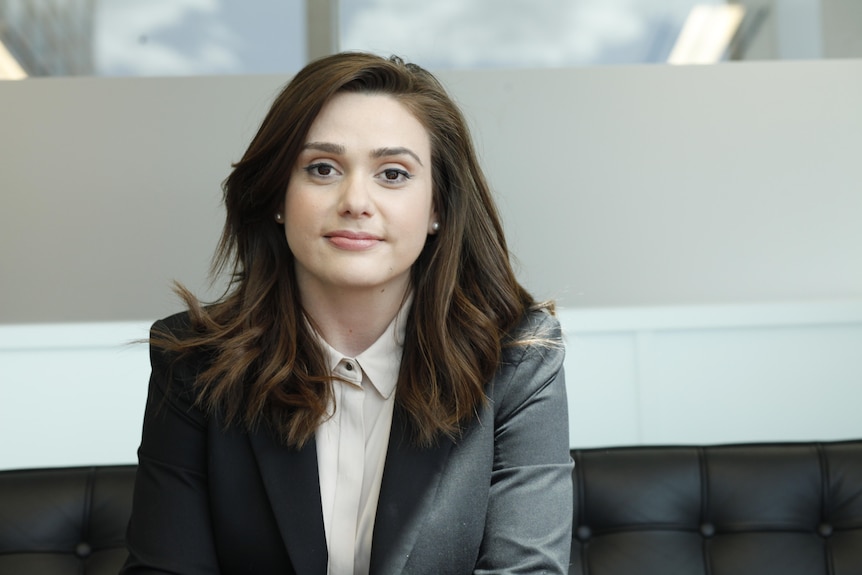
column 355, row 200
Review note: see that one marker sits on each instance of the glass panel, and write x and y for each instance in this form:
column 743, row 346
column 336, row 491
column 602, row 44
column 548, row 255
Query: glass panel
column 153, row 37
column 188, row 37
column 554, row 33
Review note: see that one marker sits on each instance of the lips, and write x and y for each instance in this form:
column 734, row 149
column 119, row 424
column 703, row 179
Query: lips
column 352, row 240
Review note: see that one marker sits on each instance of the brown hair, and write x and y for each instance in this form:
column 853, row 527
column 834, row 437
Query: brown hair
column 265, row 363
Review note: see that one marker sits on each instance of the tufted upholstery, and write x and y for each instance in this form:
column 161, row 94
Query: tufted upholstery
column 64, row 521
column 782, row 509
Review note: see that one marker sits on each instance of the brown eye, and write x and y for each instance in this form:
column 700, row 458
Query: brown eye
column 395, row 175
column 320, row 170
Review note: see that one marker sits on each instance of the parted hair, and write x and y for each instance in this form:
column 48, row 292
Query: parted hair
column 264, row 365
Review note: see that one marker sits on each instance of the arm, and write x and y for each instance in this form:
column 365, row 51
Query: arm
column 529, row 522
column 170, row 528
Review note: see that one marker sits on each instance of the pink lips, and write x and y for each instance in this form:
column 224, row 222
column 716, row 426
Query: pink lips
column 354, row 241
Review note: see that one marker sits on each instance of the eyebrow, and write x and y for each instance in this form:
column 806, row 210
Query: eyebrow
column 324, row 147
column 399, row 151
column 378, row 153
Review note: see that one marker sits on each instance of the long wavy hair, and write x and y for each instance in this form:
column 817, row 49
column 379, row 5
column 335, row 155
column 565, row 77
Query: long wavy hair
column 263, row 363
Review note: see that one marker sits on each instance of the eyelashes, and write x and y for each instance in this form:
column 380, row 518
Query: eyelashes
column 326, row 171
column 320, row 169
column 396, row 175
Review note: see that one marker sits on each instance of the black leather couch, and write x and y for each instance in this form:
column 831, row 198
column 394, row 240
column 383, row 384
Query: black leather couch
column 64, row 521
column 782, row 509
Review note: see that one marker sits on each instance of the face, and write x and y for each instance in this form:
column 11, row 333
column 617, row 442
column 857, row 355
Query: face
column 358, row 209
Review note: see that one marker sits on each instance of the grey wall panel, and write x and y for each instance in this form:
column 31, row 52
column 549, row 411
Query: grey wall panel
column 619, row 186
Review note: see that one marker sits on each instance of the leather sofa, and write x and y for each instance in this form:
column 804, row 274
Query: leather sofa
column 64, row 520
column 764, row 509
column 782, row 509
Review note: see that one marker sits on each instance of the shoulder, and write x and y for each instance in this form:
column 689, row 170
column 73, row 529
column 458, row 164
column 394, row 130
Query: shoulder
column 532, row 359
column 534, row 323
column 538, row 332
column 170, row 356
column 178, row 325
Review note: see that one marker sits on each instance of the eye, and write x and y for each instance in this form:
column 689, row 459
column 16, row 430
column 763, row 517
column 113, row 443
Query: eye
column 395, row 175
column 320, row 170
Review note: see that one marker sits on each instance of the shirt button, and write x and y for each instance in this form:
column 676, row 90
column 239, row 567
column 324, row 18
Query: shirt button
column 348, row 366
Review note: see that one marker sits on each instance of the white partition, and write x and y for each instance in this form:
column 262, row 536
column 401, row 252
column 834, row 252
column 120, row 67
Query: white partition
column 714, row 374
column 71, row 394
column 74, row 394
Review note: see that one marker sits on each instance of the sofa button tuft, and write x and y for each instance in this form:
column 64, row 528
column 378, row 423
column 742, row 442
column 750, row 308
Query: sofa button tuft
column 707, row 529
column 824, row 529
column 83, row 550
column 583, row 533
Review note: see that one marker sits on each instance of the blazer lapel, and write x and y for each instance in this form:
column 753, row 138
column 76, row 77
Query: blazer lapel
column 291, row 481
column 410, row 479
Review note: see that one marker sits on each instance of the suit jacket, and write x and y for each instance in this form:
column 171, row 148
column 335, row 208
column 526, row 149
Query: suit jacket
column 210, row 499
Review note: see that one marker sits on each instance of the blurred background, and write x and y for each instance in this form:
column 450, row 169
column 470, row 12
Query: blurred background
column 203, row 37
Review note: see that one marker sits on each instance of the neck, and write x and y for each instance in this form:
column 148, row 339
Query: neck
column 351, row 322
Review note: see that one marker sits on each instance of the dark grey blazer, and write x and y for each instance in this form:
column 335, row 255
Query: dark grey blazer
column 497, row 500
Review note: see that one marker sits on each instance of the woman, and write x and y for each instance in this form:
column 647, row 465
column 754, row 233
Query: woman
column 376, row 393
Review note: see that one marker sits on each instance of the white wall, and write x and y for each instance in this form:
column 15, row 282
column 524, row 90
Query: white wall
column 714, row 374
column 74, row 394
column 71, row 394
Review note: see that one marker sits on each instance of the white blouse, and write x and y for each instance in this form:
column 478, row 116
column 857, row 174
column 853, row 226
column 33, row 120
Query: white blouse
column 351, row 446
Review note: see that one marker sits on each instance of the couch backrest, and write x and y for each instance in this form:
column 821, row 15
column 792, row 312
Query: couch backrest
column 782, row 509
column 64, row 521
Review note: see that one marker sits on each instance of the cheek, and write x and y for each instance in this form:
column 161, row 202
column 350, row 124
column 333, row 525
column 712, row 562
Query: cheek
column 291, row 203
column 416, row 227
column 300, row 209
column 298, row 218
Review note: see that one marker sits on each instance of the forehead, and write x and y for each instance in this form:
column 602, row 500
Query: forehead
column 372, row 120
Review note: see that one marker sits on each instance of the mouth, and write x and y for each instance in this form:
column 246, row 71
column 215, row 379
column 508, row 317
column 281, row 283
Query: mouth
column 351, row 240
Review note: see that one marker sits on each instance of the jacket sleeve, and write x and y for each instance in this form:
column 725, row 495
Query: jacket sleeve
column 170, row 528
column 528, row 526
